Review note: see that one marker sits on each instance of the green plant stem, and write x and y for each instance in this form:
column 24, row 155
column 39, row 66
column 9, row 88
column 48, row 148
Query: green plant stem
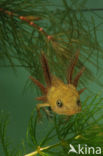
column 39, row 149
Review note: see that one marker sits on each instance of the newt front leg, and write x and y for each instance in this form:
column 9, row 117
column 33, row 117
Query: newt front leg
column 40, row 106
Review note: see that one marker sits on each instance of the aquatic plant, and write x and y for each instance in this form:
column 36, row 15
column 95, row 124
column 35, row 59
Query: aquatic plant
column 84, row 128
column 26, row 29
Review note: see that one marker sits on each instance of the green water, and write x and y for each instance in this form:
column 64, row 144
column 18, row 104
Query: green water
column 19, row 104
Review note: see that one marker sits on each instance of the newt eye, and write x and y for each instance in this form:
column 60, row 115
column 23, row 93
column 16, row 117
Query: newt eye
column 59, row 103
column 78, row 102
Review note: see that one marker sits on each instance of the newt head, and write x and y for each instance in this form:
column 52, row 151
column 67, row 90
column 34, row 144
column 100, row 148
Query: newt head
column 64, row 98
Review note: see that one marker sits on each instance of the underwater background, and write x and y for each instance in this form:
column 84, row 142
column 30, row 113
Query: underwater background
column 17, row 93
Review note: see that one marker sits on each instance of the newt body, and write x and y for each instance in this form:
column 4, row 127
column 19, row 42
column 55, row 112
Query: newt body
column 60, row 97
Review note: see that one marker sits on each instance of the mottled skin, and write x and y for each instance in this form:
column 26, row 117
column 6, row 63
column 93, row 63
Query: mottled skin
column 60, row 97
column 67, row 94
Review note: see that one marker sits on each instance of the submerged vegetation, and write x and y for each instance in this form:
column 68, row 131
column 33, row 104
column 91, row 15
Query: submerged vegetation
column 26, row 29
column 85, row 128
